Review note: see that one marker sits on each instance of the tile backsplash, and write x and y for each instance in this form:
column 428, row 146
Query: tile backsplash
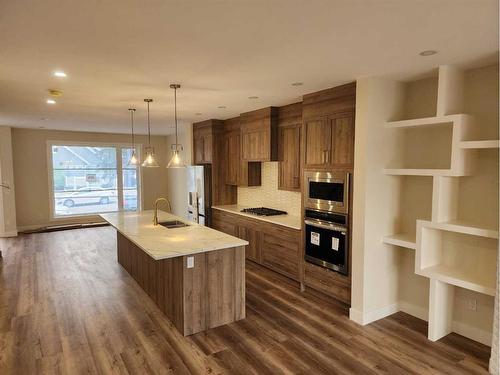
column 268, row 194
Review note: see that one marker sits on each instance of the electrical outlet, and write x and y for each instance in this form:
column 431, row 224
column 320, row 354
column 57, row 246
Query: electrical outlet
column 190, row 262
column 472, row 304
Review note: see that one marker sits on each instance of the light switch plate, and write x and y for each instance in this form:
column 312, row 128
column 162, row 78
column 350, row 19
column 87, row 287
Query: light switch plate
column 190, row 262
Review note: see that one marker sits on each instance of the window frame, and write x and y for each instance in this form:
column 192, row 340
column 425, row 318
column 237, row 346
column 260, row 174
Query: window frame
column 119, row 175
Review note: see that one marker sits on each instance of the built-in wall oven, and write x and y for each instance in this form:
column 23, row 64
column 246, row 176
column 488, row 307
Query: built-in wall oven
column 326, row 219
column 327, row 240
column 327, row 191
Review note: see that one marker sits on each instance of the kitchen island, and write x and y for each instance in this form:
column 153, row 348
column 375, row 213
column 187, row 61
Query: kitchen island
column 195, row 274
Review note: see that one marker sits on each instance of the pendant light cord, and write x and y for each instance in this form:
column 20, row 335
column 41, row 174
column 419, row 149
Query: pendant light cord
column 149, row 129
column 175, row 116
column 132, row 110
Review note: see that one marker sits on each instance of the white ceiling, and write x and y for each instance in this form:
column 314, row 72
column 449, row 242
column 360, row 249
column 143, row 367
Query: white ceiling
column 118, row 52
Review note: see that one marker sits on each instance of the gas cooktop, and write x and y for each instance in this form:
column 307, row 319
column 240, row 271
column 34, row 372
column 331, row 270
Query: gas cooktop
column 263, row 211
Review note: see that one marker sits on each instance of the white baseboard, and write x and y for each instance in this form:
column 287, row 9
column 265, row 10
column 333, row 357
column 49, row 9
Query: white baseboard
column 356, row 316
column 30, row 227
column 473, row 333
column 466, row 330
column 414, row 310
column 10, row 233
column 371, row 316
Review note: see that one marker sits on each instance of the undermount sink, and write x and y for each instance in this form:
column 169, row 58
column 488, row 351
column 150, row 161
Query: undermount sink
column 173, row 224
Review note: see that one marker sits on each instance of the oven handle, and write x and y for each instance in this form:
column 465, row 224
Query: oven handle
column 326, row 226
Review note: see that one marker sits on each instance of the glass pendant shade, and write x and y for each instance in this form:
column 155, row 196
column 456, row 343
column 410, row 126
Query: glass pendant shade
column 133, row 159
column 150, row 159
column 175, row 161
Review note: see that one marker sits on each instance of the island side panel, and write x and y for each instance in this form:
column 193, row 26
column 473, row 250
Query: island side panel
column 226, row 286
column 162, row 280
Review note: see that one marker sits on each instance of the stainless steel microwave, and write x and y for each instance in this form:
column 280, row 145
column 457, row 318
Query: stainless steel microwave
column 327, row 191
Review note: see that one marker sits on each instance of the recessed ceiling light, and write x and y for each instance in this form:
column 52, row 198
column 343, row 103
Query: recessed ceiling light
column 297, row 83
column 221, row 107
column 429, row 52
column 60, row 74
column 51, row 101
column 198, row 113
column 253, row 97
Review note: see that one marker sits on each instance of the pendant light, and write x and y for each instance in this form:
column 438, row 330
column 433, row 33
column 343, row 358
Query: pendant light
column 175, row 161
column 133, row 160
column 150, row 160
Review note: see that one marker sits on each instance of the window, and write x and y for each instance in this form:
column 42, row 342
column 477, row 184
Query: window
column 91, row 179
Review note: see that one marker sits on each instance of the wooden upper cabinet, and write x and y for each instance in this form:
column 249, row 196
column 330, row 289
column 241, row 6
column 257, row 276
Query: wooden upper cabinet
column 259, row 135
column 289, row 145
column 203, row 135
column 289, row 153
column 232, row 140
column 328, row 128
column 237, row 171
column 317, row 134
column 342, row 128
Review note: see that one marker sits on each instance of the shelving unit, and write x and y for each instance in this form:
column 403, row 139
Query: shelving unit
column 450, row 251
column 427, row 121
column 480, row 144
column 455, row 276
column 406, row 240
column 419, row 172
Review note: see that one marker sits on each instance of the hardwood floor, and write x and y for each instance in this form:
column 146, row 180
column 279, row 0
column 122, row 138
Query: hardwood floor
column 67, row 306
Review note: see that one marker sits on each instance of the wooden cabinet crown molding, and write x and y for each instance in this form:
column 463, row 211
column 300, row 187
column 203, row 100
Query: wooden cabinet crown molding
column 329, row 101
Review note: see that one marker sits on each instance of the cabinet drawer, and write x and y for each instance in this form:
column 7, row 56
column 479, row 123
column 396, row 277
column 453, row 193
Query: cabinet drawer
column 282, row 255
column 329, row 282
column 224, row 222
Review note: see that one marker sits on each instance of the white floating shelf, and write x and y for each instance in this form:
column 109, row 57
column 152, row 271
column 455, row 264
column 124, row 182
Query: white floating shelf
column 401, row 239
column 460, row 226
column 480, row 144
column 476, row 282
column 426, row 121
column 419, row 172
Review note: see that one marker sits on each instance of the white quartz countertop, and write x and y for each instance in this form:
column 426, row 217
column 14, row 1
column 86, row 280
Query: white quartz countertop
column 162, row 243
column 290, row 221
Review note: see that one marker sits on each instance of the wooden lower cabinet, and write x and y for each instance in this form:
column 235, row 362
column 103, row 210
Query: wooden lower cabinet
column 281, row 253
column 274, row 246
column 328, row 282
column 223, row 222
column 247, row 232
column 279, row 248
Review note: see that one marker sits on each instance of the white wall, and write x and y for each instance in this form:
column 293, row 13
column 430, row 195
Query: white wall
column 177, row 178
column 8, row 226
column 375, row 268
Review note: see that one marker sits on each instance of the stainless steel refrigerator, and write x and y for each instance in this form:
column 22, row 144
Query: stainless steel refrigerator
column 199, row 193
